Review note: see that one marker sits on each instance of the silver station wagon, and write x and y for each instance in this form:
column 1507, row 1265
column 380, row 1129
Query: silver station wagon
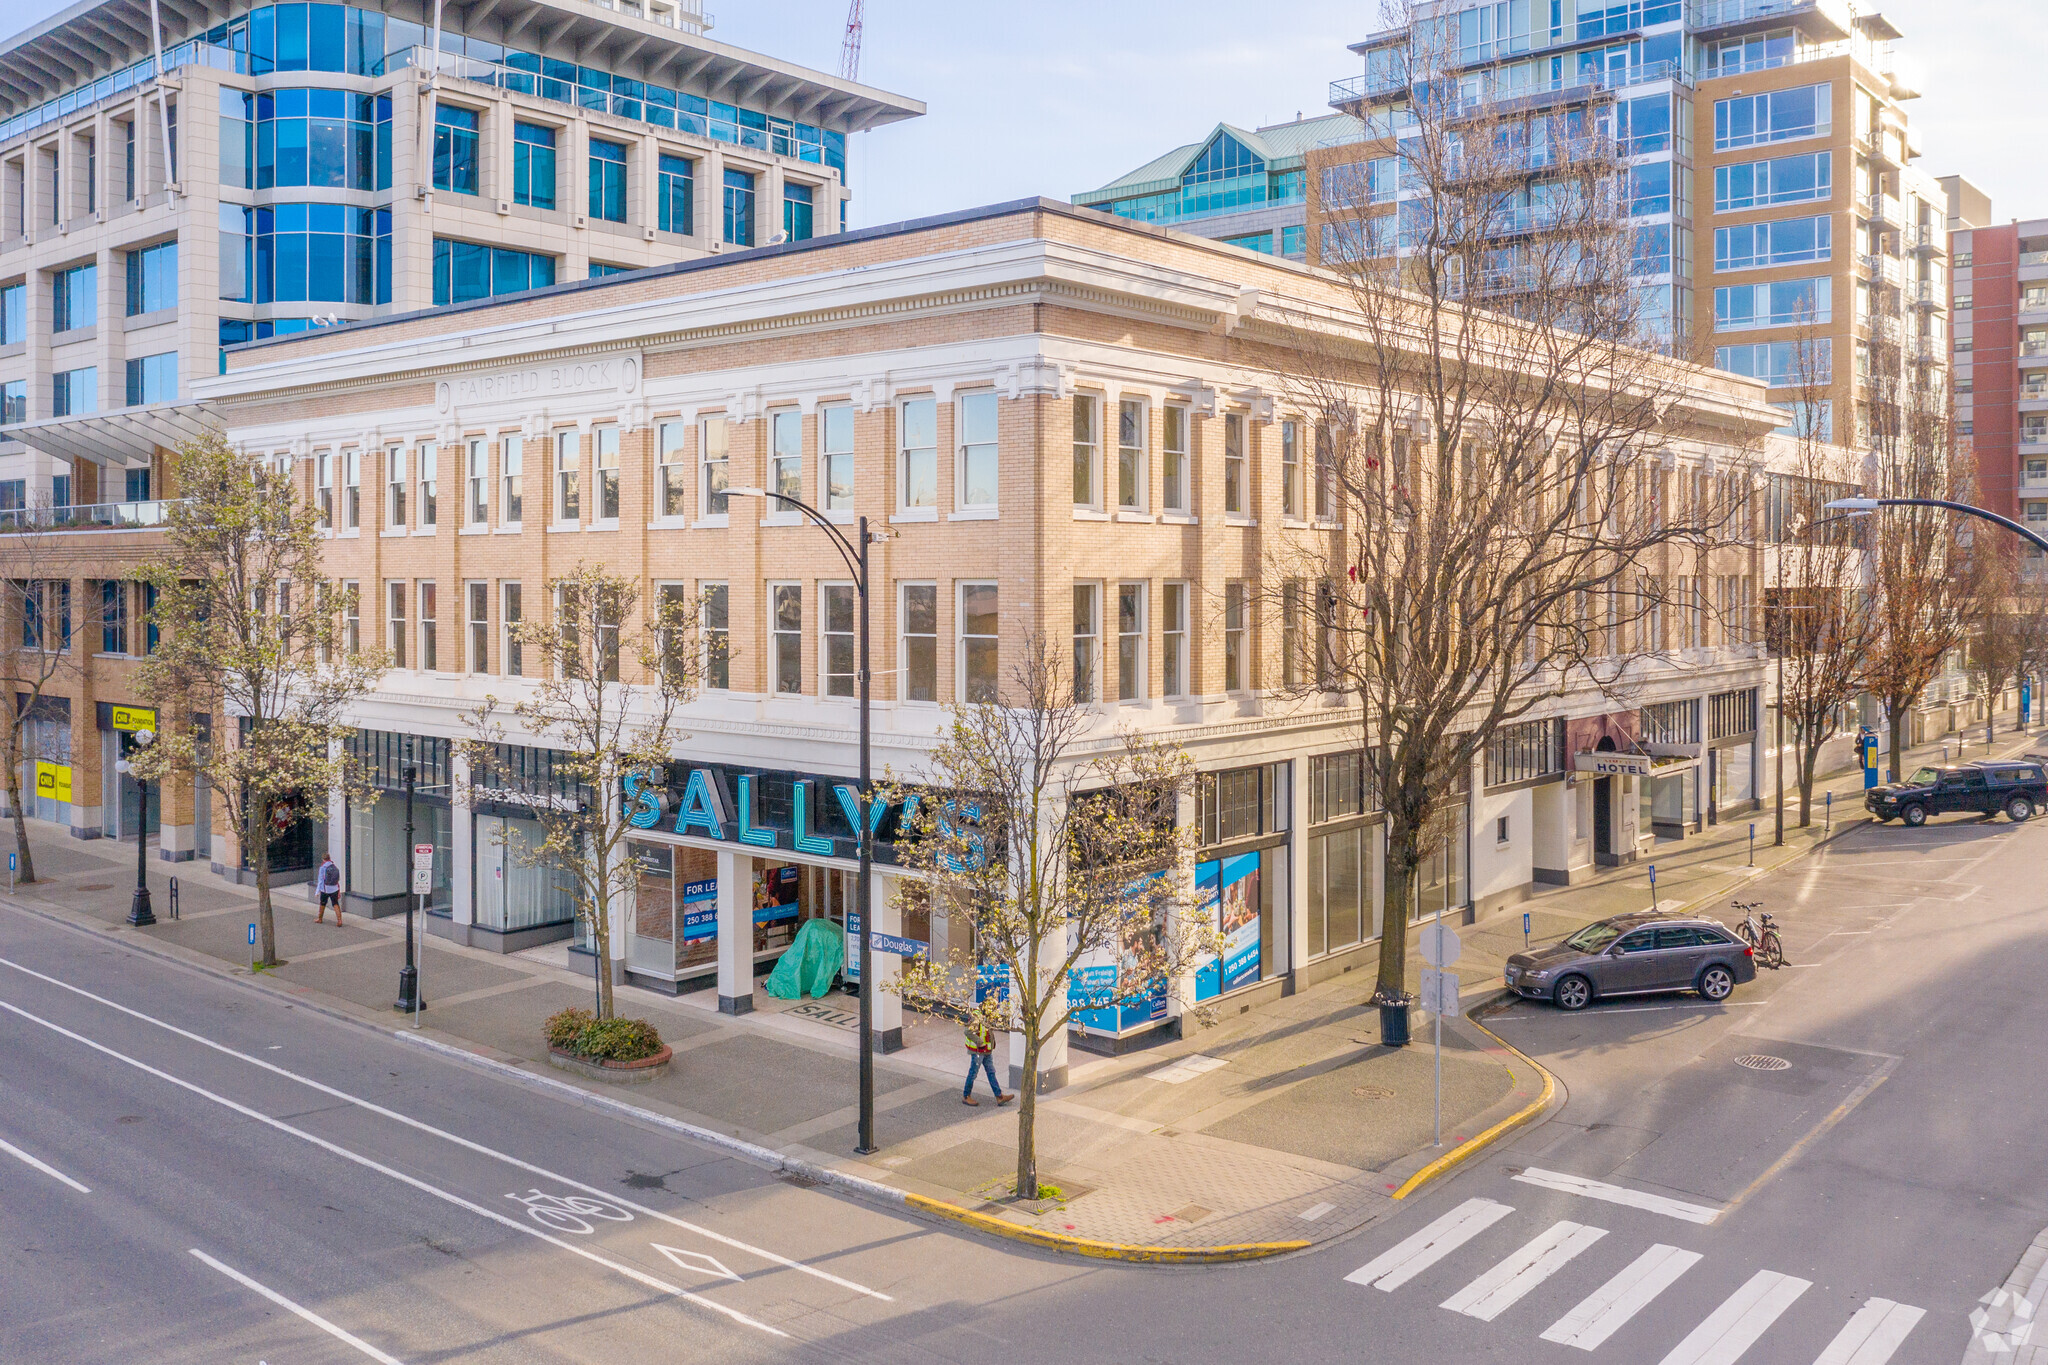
column 1637, row 954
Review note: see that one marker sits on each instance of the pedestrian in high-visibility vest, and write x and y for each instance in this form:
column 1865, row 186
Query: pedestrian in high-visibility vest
column 980, row 1050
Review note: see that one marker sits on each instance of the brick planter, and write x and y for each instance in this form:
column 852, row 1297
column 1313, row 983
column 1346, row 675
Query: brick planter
column 614, row 1073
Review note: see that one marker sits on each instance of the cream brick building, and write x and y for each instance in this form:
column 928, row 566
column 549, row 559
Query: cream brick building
column 1036, row 401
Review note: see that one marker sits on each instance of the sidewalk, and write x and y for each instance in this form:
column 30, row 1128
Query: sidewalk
column 1287, row 1121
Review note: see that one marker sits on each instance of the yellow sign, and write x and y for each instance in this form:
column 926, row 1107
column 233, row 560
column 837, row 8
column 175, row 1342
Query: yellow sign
column 53, row 781
column 135, row 718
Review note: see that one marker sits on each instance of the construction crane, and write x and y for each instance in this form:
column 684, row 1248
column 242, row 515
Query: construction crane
column 849, row 47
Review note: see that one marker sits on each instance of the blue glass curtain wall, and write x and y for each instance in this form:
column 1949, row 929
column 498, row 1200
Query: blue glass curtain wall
column 314, row 253
column 325, row 139
column 467, row 271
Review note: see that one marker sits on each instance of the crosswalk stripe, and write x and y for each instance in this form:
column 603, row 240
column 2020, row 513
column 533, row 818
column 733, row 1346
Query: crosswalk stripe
column 1608, row 1308
column 1399, row 1264
column 1733, row 1328
column 1619, row 1194
column 1870, row 1337
column 1500, row 1288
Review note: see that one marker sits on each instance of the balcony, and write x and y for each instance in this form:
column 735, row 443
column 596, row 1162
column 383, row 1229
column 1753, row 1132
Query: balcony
column 1927, row 239
column 1886, row 212
column 1828, row 20
column 1927, row 295
column 1885, row 270
column 1379, row 87
column 2033, row 480
column 98, row 516
column 1882, row 148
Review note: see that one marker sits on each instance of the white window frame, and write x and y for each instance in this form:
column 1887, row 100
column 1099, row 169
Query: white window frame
column 351, row 617
column 604, row 457
column 397, row 595
column 835, row 463
column 323, row 488
column 566, row 466
column 1087, row 637
column 511, row 466
column 961, row 638
column 778, row 639
column 1133, row 463
column 395, row 466
column 1291, row 505
column 1236, row 466
column 477, row 647
column 1087, row 433
column 712, row 506
column 428, row 463
column 921, row 455
column 1237, row 638
column 707, row 632
column 352, row 491
column 1175, row 490
column 827, row 588
column 510, row 651
column 672, row 473
column 1133, row 680
column 968, row 454
column 476, row 488
column 785, row 463
column 425, row 594
column 1175, row 677
column 904, row 637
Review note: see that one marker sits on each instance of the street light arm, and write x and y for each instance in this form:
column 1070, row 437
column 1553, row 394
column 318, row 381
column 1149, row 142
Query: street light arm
column 1867, row 504
column 839, row 540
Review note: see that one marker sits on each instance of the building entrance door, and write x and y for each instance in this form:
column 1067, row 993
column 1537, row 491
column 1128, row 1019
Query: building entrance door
column 1603, row 817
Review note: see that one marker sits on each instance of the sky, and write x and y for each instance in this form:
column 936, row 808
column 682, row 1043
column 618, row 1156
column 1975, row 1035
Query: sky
column 1063, row 96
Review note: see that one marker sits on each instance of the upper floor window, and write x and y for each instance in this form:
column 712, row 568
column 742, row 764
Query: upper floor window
column 675, row 470
column 1236, row 637
column 676, row 195
column 1235, row 489
column 511, row 502
column 980, row 636
column 1788, row 241
column 455, row 149
column 430, row 483
column 716, row 442
column 785, row 456
column 1806, row 178
column 608, row 180
column 13, row 402
column 1782, row 303
column 919, row 651
column 568, row 479
column 739, row 207
column 976, row 475
column 1174, row 459
column 153, row 379
column 1131, row 473
column 1774, row 116
column 1087, row 642
column 352, row 490
column 75, row 391
column 605, row 444
column 797, row 209
column 153, row 278
column 13, row 314
column 836, row 639
column 1781, row 364
column 918, row 453
column 476, row 503
column 1173, row 639
column 324, row 139
column 835, row 457
column 74, row 298
column 533, row 165
column 394, row 486
column 323, row 488
column 1087, row 450
column 786, row 637
column 465, row 271
column 1290, row 470
column 716, row 618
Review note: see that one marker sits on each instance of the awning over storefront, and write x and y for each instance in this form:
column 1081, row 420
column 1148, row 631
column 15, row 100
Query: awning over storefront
column 124, row 438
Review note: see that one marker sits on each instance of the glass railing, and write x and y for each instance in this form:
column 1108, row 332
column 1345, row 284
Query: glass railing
column 1720, row 13
column 194, row 53
column 89, row 516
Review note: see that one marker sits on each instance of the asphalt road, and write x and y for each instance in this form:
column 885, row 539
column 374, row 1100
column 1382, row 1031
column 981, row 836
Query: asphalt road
column 192, row 1171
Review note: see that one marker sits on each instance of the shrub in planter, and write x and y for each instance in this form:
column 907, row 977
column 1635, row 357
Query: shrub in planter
column 564, row 1027
column 619, row 1040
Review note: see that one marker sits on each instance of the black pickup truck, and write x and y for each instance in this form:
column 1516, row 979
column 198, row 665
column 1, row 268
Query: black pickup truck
column 2019, row 787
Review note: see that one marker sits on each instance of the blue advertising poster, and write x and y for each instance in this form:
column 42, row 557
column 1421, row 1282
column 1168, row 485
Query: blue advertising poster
column 991, row 979
column 775, row 894
column 1093, row 983
column 1229, row 892
column 700, row 911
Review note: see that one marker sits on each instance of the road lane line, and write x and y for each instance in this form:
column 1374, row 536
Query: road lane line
column 43, row 1166
column 308, row 1314
column 1500, row 1288
column 1724, row 1334
column 460, row 1141
column 1399, row 1264
column 1607, row 1309
column 1873, row 1334
column 368, row 1163
column 1619, row 1194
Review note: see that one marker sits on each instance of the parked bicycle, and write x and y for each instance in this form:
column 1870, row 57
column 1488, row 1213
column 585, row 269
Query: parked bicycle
column 1760, row 932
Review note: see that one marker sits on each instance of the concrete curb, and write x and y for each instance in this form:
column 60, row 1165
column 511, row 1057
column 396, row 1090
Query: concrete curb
column 1521, row 1118
column 859, row 1186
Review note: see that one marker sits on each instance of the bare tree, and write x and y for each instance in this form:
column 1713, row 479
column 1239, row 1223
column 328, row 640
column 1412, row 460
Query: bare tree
column 1061, row 853
column 1496, row 436
column 34, row 567
column 2009, row 632
column 249, row 629
column 1819, row 615
column 611, row 680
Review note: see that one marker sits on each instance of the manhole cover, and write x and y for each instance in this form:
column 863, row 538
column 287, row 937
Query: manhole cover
column 1372, row 1092
column 1756, row 1061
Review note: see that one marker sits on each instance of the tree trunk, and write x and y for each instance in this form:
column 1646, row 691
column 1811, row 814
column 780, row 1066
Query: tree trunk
column 1392, row 988
column 1027, row 1117
column 28, row 859
column 1896, row 723
column 256, row 826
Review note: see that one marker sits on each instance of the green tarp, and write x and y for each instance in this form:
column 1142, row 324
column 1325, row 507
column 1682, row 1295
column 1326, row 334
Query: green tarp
column 809, row 964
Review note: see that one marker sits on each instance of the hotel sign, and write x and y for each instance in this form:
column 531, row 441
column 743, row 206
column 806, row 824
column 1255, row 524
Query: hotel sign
column 1605, row 764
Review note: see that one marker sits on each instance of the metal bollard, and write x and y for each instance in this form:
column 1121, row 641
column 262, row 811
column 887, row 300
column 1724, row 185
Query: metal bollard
column 174, row 898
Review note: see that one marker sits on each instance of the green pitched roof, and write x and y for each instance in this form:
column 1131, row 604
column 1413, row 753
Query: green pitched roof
column 1282, row 146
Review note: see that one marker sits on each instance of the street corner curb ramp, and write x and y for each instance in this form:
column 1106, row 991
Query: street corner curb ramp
column 1521, row 1118
column 860, row 1187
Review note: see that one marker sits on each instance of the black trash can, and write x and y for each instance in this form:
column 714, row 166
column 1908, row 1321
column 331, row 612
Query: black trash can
column 1394, row 1025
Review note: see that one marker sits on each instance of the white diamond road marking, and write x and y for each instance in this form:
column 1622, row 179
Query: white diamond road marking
column 1397, row 1265
column 1500, row 1288
column 1733, row 1328
column 1872, row 1335
column 1607, row 1309
column 1186, row 1069
column 1619, row 1194
column 1316, row 1211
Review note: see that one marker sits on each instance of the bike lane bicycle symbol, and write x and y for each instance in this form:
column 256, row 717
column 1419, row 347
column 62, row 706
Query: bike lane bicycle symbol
column 572, row 1213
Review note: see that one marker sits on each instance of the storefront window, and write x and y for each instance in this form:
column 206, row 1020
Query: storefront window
column 1242, row 875
column 513, row 892
column 1440, row 880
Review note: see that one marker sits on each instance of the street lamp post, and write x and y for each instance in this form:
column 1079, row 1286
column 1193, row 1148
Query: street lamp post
column 408, row 1001
column 856, row 556
column 139, row 912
